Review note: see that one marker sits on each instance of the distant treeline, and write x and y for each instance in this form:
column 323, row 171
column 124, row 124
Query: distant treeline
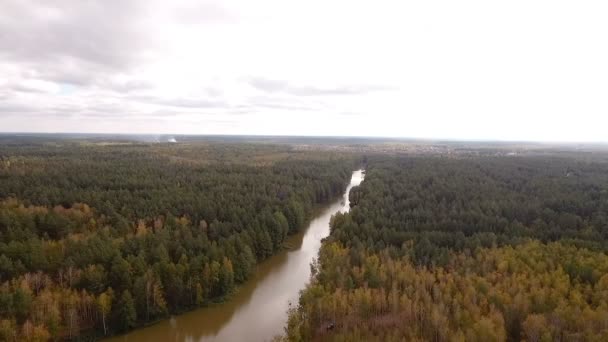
column 97, row 239
column 465, row 249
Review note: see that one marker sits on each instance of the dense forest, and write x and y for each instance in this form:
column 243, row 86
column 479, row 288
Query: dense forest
column 487, row 248
column 99, row 238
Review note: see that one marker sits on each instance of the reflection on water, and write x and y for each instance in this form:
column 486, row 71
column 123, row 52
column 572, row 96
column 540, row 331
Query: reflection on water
column 257, row 312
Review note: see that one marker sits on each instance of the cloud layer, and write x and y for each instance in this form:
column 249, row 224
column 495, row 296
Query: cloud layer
column 532, row 70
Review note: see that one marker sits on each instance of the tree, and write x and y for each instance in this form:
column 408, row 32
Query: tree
column 282, row 225
column 104, row 304
column 159, row 304
column 8, row 330
column 127, row 314
column 34, row 333
column 535, row 328
column 22, row 300
column 226, row 277
column 265, row 244
column 244, row 264
column 200, row 298
column 120, row 273
column 487, row 330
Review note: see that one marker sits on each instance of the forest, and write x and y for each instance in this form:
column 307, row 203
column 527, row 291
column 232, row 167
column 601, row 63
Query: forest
column 97, row 238
column 100, row 237
column 465, row 248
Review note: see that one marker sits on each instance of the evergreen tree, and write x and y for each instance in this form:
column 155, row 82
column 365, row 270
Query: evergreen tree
column 126, row 312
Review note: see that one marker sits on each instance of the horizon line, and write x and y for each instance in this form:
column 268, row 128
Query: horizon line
column 426, row 139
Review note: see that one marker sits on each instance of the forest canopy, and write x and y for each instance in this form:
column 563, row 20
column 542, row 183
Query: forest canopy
column 100, row 238
column 467, row 248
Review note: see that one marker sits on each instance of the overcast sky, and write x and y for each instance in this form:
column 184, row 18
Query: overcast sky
column 507, row 70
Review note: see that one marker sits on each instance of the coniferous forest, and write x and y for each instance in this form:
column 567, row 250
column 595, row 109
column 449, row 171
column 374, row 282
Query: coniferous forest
column 101, row 237
column 474, row 248
column 97, row 239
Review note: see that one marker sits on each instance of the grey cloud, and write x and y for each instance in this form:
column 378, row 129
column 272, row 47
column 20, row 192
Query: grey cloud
column 98, row 46
column 66, row 109
column 81, row 74
column 183, row 102
column 26, row 89
column 107, row 115
column 274, row 102
column 130, row 86
column 12, row 108
column 47, row 31
column 241, row 111
column 273, row 86
column 203, row 13
column 268, row 84
column 12, row 88
column 213, row 91
column 72, row 41
column 193, row 103
column 282, row 106
column 211, row 121
column 104, row 109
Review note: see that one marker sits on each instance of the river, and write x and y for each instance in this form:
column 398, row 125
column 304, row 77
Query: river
column 258, row 311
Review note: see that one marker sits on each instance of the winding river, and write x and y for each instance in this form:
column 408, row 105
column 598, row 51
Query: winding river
column 258, row 311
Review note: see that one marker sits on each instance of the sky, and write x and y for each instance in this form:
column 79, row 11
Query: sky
column 500, row 70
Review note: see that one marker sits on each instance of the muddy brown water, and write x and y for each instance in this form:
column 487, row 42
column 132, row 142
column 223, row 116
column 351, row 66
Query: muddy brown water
column 258, row 311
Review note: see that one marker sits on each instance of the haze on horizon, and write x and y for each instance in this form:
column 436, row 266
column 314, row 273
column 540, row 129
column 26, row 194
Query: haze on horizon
column 530, row 70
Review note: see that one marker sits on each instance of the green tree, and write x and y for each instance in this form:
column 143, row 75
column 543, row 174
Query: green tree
column 226, row 277
column 127, row 314
column 120, row 273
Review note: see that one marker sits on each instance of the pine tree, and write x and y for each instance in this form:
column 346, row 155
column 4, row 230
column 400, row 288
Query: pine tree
column 127, row 315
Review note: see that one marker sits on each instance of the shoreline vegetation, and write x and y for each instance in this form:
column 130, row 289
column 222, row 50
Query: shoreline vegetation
column 286, row 247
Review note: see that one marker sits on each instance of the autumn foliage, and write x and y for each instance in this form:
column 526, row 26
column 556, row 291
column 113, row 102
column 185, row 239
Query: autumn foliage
column 464, row 249
column 164, row 229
